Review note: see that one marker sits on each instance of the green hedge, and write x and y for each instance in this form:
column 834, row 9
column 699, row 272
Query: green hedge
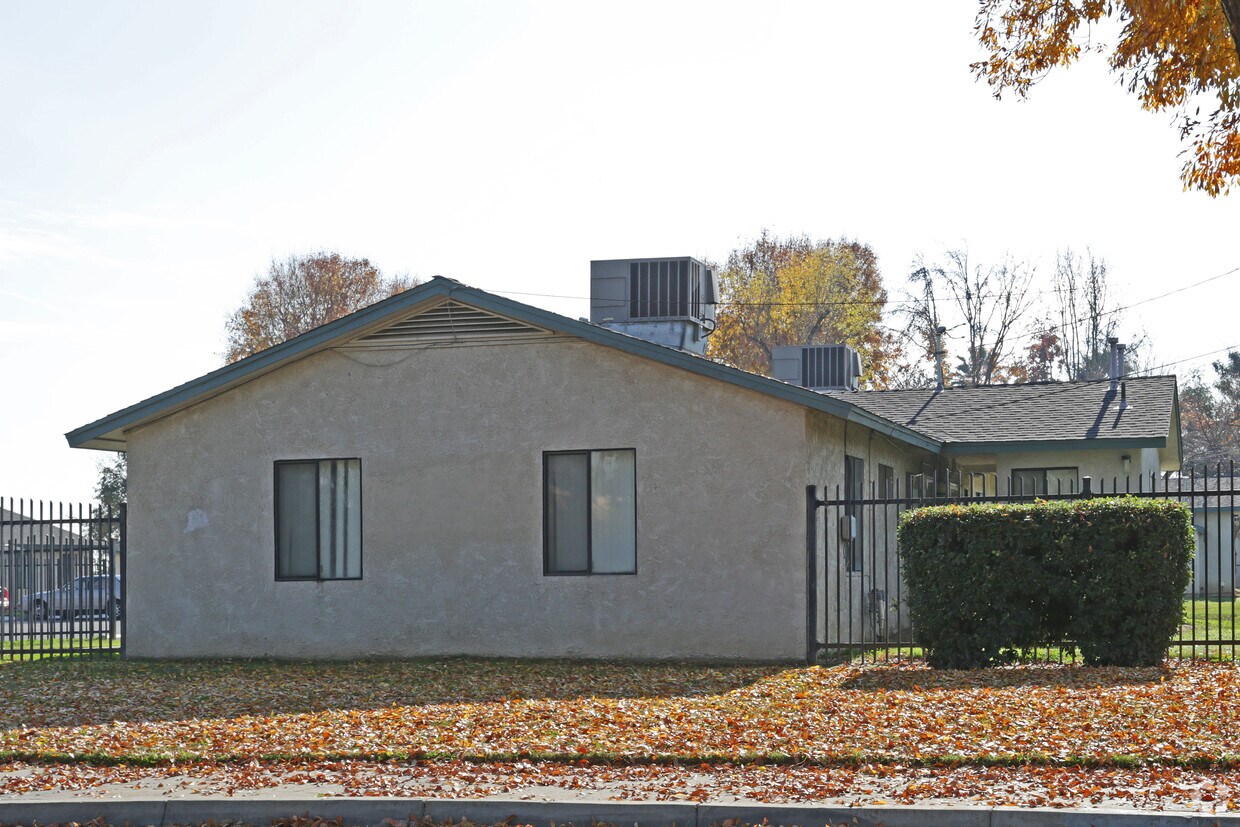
column 1106, row 575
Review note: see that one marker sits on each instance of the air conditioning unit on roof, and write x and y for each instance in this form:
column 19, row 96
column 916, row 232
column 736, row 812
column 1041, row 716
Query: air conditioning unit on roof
column 818, row 367
column 669, row 301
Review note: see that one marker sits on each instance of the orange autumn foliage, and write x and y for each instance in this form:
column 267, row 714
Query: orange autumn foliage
column 1181, row 57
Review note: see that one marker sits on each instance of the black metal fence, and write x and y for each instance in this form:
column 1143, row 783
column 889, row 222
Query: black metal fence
column 61, row 580
column 856, row 597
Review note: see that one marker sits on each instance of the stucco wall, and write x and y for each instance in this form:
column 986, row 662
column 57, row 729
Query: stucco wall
column 850, row 610
column 451, row 442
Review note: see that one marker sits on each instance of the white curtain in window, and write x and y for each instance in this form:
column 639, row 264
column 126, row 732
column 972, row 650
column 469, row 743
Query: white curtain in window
column 295, row 549
column 340, row 519
column 613, row 540
column 568, row 529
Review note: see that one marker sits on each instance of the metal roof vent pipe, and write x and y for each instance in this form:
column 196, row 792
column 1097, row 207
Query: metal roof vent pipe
column 938, row 357
column 1116, row 350
column 1120, row 371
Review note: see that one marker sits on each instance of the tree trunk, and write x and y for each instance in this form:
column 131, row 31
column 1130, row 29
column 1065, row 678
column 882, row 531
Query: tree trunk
column 1232, row 9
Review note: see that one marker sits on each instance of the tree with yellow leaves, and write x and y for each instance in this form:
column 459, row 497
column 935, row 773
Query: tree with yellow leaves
column 795, row 291
column 1175, row 55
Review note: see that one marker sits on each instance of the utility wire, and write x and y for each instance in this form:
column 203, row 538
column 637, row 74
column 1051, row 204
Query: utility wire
column 889, row 302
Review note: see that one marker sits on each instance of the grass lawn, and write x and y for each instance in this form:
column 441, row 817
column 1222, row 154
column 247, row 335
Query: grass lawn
column 1209, row 619
column 787, row 733
column 56, row 647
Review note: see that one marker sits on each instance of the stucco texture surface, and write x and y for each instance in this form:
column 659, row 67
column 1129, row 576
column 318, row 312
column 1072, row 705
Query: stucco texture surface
column 845, row 611
column 451, row 441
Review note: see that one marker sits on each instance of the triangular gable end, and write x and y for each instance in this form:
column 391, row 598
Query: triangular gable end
column 448, row 322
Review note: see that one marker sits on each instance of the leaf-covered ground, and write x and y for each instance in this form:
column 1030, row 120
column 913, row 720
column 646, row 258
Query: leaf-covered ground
column 898, row 733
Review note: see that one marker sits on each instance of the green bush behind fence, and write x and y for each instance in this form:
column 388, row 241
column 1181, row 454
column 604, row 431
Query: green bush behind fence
column 988, row 581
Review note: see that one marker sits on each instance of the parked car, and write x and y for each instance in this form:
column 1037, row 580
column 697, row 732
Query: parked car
column 98, row 594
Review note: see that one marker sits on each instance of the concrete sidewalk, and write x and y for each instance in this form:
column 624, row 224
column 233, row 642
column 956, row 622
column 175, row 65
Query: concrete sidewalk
column 140, row 810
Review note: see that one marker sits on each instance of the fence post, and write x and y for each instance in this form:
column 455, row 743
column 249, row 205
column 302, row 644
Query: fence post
column 811, row 574
column 124, row 618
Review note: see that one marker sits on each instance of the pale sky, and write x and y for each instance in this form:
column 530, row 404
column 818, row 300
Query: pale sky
column 154, row 157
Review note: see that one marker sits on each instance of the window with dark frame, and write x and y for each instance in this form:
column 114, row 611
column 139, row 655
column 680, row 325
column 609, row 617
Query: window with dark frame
column 1041, row 482
column 914, row 484
column 318, row 519
column 854, row 487
column 590, row 512
column 886, row 482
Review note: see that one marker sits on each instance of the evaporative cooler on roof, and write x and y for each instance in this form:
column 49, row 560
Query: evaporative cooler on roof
column 818, row 367
column 669, row 301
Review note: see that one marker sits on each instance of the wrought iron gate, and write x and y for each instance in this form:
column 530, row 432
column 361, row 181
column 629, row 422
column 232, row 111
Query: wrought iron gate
column 61, row 580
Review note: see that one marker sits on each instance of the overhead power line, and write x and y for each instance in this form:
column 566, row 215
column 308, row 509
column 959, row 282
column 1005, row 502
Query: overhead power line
column 889, row 302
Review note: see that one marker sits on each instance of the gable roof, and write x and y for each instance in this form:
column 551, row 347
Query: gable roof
column 1026, row 417
column 407, row 312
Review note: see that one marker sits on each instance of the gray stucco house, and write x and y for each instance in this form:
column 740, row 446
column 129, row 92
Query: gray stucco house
column 452, row 472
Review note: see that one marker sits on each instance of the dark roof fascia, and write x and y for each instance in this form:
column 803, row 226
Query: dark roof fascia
column 96, row 434
column 958, row 448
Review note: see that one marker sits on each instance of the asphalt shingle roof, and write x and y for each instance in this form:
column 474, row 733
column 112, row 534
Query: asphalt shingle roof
column 1039, row 411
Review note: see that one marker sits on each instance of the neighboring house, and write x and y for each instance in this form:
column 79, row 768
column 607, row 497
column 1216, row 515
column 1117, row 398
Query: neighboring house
column 37, row 529
column 1044, row 437
column 37, row 551
column 1215, row 501
column 452, row 472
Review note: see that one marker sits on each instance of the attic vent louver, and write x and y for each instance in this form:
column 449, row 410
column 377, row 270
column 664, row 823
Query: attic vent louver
column 450, row 322
column 818, row 367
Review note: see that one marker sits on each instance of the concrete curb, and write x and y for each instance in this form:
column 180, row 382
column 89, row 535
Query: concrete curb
column 382, row 812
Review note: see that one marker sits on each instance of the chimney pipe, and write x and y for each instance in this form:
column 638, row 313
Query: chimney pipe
column 938, row 357
column 1115, row 361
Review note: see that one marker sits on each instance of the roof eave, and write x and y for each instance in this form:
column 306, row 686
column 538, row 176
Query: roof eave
column 1012, row 446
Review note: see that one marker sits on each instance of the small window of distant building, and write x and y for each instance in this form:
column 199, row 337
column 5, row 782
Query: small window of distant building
column 1039, row 482
column 914, row 486
column 318, row 505
column 854, row 488
column 886, row 481
column 590, row 512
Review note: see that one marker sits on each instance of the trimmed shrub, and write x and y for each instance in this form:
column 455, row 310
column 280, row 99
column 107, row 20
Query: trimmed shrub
column 987, row 581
